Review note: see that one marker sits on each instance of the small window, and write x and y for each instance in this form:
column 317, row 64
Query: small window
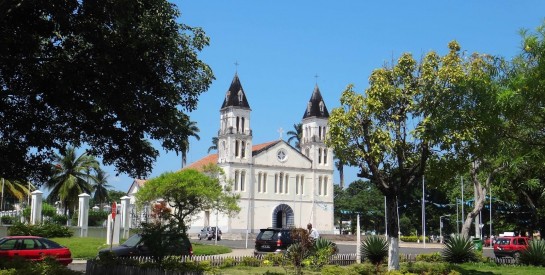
column 320, row 185
column 242, row 180
column 264, row 182
column 322, row 106
column 259, row 182
column 281, row 183
column 240, row 96
column 242, row 149
column 286, row 186
column 236, row 148
column 325, row 186
column 320, row 155
column 236, row 180
column 309, row 105
column 325, row 156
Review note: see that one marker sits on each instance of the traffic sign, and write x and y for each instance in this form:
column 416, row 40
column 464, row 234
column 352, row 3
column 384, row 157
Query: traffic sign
column 114, row 210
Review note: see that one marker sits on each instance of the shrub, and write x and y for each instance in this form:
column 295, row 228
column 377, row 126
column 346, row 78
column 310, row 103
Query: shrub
column 228, row 262
column 46, row 230
column 459, row 249
column 275, row 258
column 47, row 266
column 97, row 218
column 375, row 249
column 534, row 254
column 361, row 269
column 412, row 239
column 250, row 261
column 7, row 219
column 59, row 219
column 322, row 251
column 430, row 258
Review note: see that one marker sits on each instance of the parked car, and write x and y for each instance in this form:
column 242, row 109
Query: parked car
column 510, row 246
column 272, row 240
column 209, row 232
column 34, row 248
column 135, row 246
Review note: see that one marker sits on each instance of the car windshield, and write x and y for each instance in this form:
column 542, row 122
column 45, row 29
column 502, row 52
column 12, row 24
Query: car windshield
column 502, row 241
column 132, row 241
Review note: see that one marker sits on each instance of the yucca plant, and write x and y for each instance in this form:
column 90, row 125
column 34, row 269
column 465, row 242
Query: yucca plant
column 534, row 254
column 322, row 243
column 459, row 249
column 375, row 249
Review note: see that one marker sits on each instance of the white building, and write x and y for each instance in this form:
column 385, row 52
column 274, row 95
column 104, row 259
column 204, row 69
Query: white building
column 280, row 186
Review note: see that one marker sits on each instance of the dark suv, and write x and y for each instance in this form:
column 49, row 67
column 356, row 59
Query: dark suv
column 272, row 240
column 134, row 246
column 510, row 246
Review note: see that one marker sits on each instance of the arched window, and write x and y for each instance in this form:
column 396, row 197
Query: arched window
column 320, row 155
column 320, row 132
column 242, row 125
column 242, row 149
column 280, row 183
column 236, row 148
column 297, row 184
column 322, row 106
column 320, row 185
column 227, row 95
column 309, row 105
column 325, row 156
column 301, row 182
column 236, row 180
column 286, row 186
column 264, row 182
column 238, row 124
column 240, row 96
column 325, row 186
column 276, row 183
column 259, row 182
column 242, row 181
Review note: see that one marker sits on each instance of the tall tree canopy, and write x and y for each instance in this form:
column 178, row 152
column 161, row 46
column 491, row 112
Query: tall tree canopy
column 388, row 132
column 189, row 192
column 109, row 74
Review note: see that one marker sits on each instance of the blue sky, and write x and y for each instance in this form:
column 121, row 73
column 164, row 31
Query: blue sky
column 281, row 45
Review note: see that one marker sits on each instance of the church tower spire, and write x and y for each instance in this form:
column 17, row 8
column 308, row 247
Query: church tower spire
column 314, row 132
column 235, row 134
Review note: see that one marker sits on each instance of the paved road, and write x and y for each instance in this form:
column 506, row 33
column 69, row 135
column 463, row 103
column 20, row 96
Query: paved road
column 245, row 248
column 347, row 247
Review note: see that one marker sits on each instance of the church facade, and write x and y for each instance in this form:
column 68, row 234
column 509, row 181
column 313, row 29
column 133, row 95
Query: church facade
column 279, row 185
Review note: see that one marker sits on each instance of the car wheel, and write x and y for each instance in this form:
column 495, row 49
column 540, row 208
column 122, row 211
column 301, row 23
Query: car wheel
column 200, row 238
column 516, row 256
column 209, row 238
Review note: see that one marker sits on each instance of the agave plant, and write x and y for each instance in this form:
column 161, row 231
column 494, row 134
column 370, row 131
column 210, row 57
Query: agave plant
column 375, row 249
column 459, row 249
column 534, row 254
column 322, row 243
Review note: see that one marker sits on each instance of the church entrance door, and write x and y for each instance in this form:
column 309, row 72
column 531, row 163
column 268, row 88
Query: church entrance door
column 283, row 216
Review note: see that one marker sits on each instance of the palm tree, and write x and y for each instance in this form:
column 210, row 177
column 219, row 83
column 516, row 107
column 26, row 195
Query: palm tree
column 192, row 131
column 296, row 135
column 15, row 189
column 214, row 144
column 71, row 177
column 100, row 187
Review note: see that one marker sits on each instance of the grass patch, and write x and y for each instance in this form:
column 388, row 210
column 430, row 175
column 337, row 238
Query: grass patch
column 87, row 248
column 82, row 248
column 492, row 268
column 206, row 249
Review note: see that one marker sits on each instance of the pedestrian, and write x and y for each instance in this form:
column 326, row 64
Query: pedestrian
column 313, row 233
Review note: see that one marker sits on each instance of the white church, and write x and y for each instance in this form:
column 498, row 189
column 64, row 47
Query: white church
column 279, row 186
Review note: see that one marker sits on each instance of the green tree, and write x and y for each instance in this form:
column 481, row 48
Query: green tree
column 296, row 135
column 192, row 131
column 388, row 133
column 70, row 177
column 116, row 195
column 189, row 192
column 15, row 188
column 107, row 74
column 100, row 188
column 214, row 146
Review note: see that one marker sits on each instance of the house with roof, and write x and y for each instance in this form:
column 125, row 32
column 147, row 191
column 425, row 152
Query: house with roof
column 279, row 185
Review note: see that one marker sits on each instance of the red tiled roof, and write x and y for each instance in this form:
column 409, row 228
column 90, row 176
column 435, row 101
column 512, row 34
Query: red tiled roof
column 199, row 164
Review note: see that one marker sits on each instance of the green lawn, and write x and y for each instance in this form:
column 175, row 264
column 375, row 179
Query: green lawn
column 87, row 248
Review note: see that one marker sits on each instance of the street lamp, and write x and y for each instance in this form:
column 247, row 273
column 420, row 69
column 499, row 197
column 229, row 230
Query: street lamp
column 441, row 227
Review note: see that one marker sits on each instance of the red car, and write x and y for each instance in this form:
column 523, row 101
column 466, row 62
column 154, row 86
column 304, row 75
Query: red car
column 510, row 246
column 33, row 248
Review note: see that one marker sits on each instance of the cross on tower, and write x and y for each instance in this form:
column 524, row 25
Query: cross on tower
column 316, row 76
column 236, row 66
column 280, row 131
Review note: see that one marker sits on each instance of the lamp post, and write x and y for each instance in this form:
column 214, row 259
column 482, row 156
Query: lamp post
column 441, row 227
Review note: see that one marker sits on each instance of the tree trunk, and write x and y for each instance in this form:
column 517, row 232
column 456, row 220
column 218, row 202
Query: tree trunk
column 393, row 232
column 480, row 193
